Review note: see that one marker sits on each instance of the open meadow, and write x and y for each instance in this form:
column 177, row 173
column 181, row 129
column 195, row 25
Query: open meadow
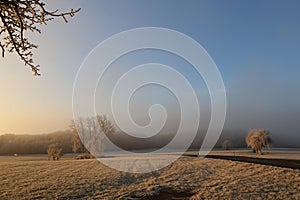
column 28, row 177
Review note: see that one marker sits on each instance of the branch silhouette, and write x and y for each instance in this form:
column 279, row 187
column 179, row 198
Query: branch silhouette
column 20, row 16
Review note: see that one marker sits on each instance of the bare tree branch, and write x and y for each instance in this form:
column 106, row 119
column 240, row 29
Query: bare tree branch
column 19, row 16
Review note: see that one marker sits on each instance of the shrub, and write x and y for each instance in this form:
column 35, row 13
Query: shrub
column 226, row 145
column 84, row 156
column 54, row 151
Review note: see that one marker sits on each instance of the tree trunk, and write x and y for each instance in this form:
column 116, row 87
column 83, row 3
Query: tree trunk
column 259, row 151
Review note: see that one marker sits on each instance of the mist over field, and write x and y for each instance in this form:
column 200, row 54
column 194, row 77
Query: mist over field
column 11, row 144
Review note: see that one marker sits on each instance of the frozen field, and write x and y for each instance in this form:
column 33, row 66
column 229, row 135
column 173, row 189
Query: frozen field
column 37, row 178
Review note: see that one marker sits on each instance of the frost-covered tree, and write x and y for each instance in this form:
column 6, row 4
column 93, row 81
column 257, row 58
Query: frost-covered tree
column 54, row 151
column 17, row 17
column 258, row 138
column 89, row 134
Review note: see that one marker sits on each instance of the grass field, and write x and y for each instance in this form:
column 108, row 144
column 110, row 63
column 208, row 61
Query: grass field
column 37, row 178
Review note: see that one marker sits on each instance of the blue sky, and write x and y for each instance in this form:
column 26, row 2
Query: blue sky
column 255, row 45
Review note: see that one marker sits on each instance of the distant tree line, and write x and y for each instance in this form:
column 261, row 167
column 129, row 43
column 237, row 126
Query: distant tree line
column 35, row 144
column 70, row 141
column 228, row 139
column 11, row 144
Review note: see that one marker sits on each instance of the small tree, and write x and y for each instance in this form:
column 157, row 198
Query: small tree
column 258, row 138
column 54, row 151
column 226, row 145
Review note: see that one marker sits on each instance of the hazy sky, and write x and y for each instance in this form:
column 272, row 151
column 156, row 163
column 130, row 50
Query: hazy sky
column 255, row 45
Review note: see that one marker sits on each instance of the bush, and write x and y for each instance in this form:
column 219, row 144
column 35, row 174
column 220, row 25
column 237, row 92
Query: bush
column 54, row 151
column 226, row 145
column 84, row 156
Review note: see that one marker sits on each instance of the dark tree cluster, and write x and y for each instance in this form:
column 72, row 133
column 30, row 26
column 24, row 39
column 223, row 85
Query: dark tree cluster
column 11, row 144
column 20, row 16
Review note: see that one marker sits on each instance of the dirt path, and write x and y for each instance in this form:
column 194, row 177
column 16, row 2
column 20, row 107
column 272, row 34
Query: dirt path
column 288, row 163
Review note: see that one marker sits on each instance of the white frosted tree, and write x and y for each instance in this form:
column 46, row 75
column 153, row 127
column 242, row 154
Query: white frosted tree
column 17, row 19
column 258, row 138
column 89, row 134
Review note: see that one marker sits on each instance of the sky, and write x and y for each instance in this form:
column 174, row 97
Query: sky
column 255, row 45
